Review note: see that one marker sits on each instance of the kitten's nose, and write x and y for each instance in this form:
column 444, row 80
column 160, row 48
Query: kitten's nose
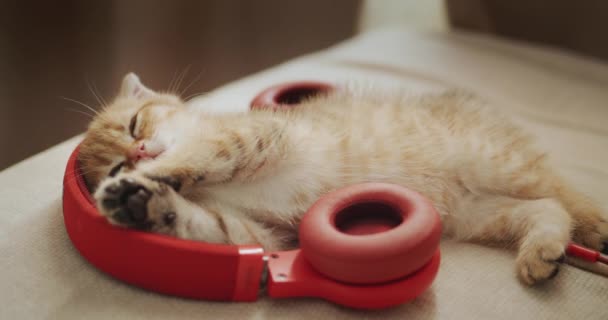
column 142, row 151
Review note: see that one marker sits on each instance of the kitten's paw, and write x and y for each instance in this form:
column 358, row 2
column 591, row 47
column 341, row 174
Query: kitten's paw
column 539, row 261
column 179, row 181
column 134, row 201
column 591, row 230
column 174, row 182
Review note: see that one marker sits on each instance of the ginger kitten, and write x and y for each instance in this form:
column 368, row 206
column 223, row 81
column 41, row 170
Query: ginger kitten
column 238, row 178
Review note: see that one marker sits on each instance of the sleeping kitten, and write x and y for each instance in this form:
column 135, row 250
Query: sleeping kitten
column 156, row 165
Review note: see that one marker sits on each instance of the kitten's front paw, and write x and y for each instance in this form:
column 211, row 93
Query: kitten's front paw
column 174, row 182
column 539, row 261
column 133, row 201
column 125, row 202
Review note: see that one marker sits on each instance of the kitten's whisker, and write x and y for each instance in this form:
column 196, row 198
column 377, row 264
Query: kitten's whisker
column 171, row 87
column 90, row 116
column 80, row 174
column 82, row 104
column 103, row 100
column 194, row 95
column 196, row 79
column 181, row 78
column 93, row 88
column 93, row 93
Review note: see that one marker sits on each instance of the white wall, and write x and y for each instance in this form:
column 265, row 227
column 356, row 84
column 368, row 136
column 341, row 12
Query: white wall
column 418, row 14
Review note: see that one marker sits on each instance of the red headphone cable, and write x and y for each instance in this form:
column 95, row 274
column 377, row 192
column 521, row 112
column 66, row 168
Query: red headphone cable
column 586, row 254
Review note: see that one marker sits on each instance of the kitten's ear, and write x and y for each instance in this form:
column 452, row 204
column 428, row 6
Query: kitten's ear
column 132, row 87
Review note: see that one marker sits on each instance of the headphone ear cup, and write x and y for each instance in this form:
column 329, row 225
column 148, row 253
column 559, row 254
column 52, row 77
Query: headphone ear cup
column 287, row 95
column 335, row 240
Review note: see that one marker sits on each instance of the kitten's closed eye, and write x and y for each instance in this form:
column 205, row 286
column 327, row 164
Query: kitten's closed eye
column 133, row 125
column 114, row 171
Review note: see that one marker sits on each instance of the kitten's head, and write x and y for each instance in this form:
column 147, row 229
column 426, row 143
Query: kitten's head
column 134, row 127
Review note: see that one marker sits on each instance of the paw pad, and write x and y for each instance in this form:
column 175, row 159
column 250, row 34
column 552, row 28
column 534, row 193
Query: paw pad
column 169, row 218
column 131, row 199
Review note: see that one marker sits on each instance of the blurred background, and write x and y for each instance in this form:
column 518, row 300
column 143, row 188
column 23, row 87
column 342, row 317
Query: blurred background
column 70, row 48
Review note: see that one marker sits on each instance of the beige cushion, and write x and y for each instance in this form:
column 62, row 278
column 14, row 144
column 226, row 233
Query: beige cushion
column 560, row 97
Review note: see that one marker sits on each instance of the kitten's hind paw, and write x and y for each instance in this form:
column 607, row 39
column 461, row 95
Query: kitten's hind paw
column 591, row 230
column 538, row 262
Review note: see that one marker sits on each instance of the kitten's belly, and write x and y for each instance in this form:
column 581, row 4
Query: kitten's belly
column 284, row 204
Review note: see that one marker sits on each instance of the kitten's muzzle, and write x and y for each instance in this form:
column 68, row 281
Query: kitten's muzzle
column 144, row 151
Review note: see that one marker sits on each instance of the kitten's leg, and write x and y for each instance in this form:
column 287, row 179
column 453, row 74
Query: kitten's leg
column 241, row 152
column 540, row 228
column 590, row 223
column 241, row 229
column 132, row 200
column 525, row 174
